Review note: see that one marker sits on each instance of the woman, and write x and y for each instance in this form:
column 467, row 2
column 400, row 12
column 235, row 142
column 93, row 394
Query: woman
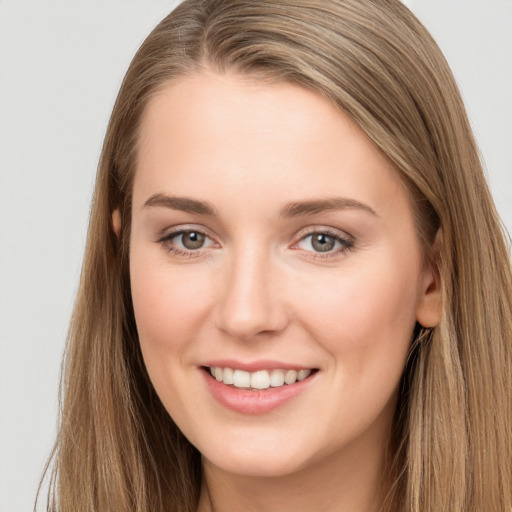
column 296, row 293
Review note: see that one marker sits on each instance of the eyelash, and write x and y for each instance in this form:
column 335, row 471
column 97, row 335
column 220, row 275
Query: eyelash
column 346, row 243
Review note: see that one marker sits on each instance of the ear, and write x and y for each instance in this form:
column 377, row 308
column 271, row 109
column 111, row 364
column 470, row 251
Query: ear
column 116, row 222
column 428, row 312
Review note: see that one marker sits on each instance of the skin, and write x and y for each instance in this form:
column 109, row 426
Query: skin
column 259, row 289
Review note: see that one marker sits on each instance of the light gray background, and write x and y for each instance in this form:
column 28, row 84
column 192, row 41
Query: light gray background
column 61, row 63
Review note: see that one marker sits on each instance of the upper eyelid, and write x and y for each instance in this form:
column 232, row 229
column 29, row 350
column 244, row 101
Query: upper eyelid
column 335, row 232
column 168, row 233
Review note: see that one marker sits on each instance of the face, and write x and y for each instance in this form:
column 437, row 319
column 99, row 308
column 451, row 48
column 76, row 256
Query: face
column 272, row 245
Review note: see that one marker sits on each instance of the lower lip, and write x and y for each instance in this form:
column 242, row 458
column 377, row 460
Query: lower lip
column 255, row 402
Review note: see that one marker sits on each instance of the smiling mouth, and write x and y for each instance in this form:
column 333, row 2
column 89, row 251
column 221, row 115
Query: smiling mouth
column 259, row 380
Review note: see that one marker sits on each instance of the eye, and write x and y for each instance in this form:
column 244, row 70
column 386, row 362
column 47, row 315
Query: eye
column 325, row 243
column 320, row 242
column 191, row 239
column 186, row 242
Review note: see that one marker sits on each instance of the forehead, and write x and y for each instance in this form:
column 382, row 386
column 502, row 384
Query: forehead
column 274, row 139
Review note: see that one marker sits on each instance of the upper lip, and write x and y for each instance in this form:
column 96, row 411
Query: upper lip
column 254, row 366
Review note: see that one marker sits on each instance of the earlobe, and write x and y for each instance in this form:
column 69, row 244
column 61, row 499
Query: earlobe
column 428, row 313
column 116, row 222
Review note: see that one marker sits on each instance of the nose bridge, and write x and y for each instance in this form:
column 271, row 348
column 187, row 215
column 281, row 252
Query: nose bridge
column 250, row 300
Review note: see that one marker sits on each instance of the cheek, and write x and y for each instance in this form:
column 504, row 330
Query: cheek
column 168, row 312
column 364, row 317
column 168, row 308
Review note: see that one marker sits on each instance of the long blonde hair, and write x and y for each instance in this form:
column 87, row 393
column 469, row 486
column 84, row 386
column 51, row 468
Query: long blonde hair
column 118, row 449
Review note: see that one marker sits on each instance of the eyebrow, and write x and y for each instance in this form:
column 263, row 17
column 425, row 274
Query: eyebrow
column 299, row 208
column 292, row 209
column 184, row 204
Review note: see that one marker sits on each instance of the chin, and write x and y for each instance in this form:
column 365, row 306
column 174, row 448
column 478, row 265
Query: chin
column 258, row 465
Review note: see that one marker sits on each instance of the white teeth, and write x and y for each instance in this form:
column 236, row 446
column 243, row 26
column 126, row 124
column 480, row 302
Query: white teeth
column 290, row 377
column 262, row 379
column 241, row 379
column 302, row 374
column 277, row 378
column 228, row 376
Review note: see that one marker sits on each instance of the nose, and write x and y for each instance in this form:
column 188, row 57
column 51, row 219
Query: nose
column 251, row 303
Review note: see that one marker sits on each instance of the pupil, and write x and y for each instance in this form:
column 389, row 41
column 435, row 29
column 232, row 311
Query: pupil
column 323, row 243
column 193, row 240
